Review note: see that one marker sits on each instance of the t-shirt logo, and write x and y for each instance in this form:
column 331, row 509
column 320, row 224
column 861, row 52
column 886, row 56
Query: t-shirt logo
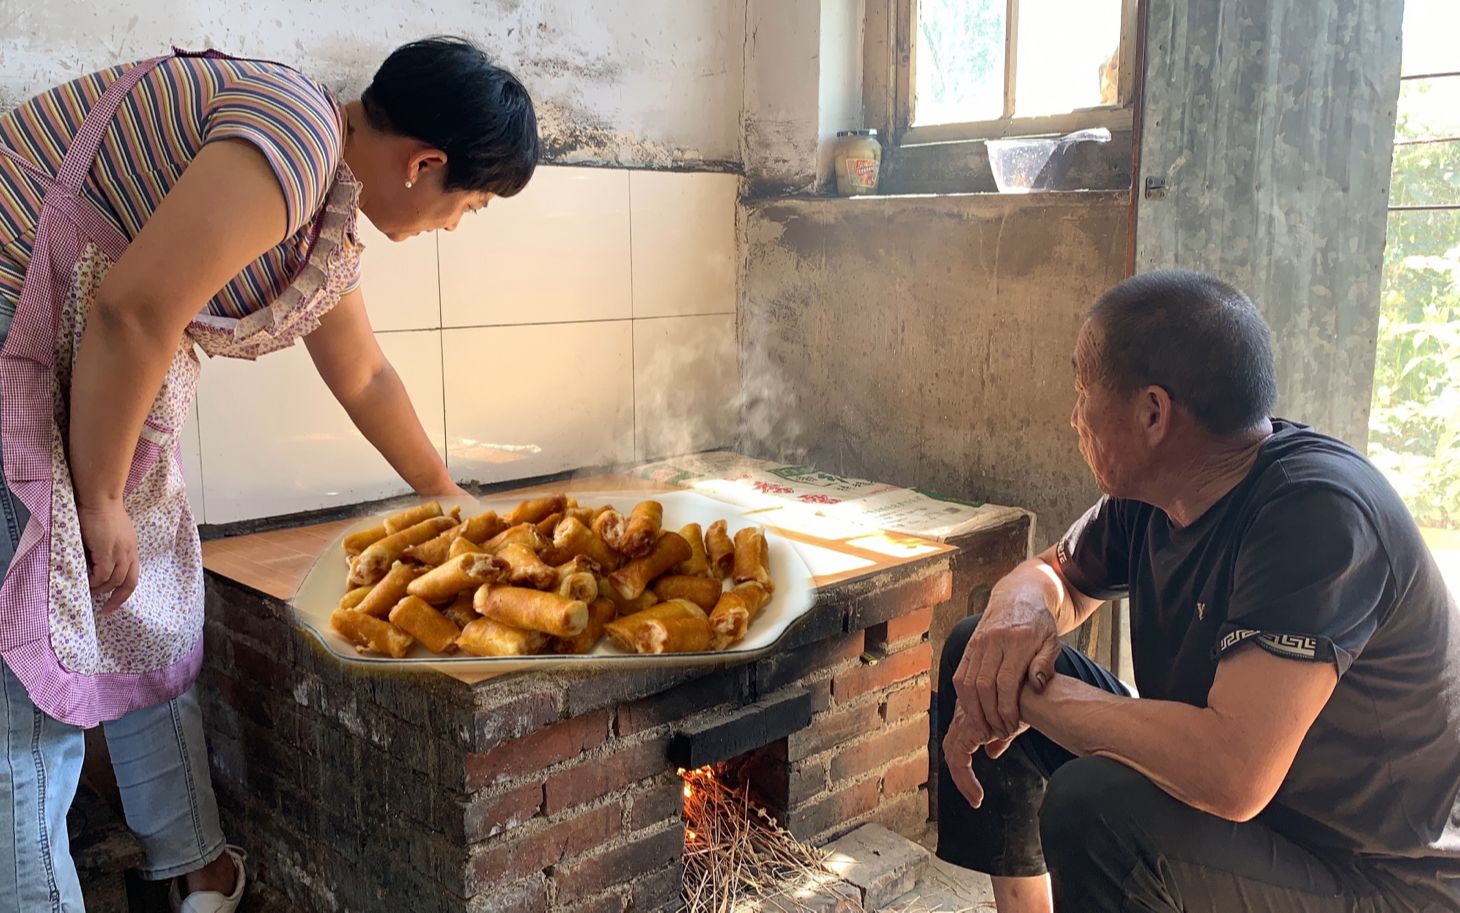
column 1201, row 611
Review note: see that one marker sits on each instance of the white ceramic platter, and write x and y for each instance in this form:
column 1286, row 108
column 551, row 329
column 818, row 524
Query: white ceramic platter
column 321, row 590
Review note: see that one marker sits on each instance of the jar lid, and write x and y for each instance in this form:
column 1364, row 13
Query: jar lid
column 856, row 133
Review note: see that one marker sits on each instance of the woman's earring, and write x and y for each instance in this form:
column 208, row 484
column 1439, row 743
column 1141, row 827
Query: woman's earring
column 408, row 185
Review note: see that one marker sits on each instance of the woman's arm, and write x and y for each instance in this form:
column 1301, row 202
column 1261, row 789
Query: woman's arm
column 356, row 371
column 225, row 211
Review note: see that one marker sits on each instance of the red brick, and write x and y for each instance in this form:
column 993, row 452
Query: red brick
column 896, row 631
column 861, row 759
column 515, row 858
column 530, row 896
column 536, row 751
column 660, row 800
column 832, row 728
column 250, row 664
column 599, row 775
column 659, row 892
column 906, row 814
column 905, row 776
column 679, row 702
column 907, row 702
column 492, row 815
column 837, row 808
column 511, row 719
column 894, row 668
column 639, row 856
column 793, row 666
column 612, row 902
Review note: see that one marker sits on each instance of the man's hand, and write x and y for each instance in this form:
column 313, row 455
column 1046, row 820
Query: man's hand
column 1016, row 642
column 958, row 748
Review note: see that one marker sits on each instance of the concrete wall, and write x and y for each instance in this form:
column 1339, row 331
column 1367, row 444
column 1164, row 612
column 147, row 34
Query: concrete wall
column 1271, row 122
column 926, row 341
column 654, row 83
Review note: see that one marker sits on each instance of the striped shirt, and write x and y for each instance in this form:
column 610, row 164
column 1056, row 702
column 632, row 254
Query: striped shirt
column 182, row 104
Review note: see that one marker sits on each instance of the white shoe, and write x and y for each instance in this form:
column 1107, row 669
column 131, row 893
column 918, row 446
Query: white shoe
column 211, row 901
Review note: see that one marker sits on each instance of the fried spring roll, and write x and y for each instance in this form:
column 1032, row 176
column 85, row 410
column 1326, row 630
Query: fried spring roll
column 485, row 637
column 610, row 526
column 548, row 525
column 391, row 589
column 464, row 572
column 435, row 631
column 734, row 613
column 371, row 634
column 352, row 599
column 576, row 579
column 460, row 611
column 377, row 559
column 702, row 591
column 524, row 568
column 753, row 558
column 624, row 630
column 573, row 539
column 625, row 606
column 483, row 527
column 600, row 613
column 633, row 578
column 533, row 610
column 521, row 534
column 410, row 517
column 673, row 635
column 461, row 545
column 698, row 563
column 720, row 549
column 643, row 528
column 535, row 509
column 357, row 542
column 434, row 551
column 584, row 515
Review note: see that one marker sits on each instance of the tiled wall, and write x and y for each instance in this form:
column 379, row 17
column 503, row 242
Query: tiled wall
column 589, row 320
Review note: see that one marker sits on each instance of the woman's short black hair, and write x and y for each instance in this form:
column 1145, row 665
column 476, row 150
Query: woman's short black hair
column 1197, row 337
column 446, row 92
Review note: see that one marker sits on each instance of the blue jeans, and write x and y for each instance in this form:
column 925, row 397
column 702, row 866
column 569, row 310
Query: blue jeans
column 161, row 763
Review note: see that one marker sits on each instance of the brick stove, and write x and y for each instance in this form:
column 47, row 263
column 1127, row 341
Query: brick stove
column 361, row 790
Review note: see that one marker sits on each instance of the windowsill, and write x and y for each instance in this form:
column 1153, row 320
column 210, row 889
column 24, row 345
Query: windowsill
column 1041, row 196
column 1114, row 119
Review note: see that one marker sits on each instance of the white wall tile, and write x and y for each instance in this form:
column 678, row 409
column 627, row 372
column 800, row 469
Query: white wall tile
column 192, row 459
column 275, row 441
column 683, row 242
column 401, row 283
column 686, row 384
column 527, row 401
column 555, row 253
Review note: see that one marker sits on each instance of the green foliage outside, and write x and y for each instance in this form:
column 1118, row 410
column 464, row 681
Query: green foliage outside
column 1414, row 428
column 960, row 72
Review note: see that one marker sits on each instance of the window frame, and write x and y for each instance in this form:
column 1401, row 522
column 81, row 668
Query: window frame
column 1424, row 141
column 890, row 82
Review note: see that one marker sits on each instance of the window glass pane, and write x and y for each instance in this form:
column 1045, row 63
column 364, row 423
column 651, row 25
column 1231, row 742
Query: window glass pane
column 1429, row 108
column 1430, row 27
column 960, row 61
column 1068, row 56
column 1426, row 174
column 1414, row 425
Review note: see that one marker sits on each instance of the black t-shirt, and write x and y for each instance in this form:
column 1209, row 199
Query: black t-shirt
column 1312, row 557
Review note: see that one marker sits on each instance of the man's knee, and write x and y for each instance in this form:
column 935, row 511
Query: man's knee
column 1090, row 799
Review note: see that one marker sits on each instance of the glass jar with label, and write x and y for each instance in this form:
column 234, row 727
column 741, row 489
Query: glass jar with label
column 858, row 160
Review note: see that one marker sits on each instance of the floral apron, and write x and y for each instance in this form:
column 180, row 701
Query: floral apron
column 79, row 666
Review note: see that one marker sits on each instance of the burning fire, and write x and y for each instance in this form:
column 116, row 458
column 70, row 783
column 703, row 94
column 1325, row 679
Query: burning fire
column 734, row 849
